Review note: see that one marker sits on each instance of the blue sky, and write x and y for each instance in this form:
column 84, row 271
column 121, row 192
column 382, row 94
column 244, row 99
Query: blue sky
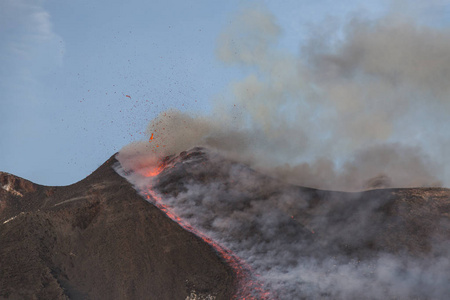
column 68, row 66
column 81, row 79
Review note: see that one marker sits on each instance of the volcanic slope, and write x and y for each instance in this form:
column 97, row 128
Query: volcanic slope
column 98, row 239
column 305, row 243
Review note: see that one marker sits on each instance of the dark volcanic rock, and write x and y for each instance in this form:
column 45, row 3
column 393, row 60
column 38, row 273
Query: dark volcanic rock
column 98, row 239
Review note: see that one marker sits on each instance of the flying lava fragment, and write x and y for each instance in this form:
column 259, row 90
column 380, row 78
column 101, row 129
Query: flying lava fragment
column 128, row 96
column 151, row 138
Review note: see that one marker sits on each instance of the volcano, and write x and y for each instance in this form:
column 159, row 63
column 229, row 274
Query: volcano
column 201, row 226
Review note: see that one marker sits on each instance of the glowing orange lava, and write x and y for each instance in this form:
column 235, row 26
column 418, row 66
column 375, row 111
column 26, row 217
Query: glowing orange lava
column 128, row 96
column 247, row 288
column 151, row 138
column 154, row 171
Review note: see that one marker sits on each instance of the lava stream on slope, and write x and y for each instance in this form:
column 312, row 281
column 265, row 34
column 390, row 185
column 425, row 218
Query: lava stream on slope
column 248, row 286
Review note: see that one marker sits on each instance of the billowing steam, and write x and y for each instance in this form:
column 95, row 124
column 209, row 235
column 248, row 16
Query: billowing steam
column 368, row 99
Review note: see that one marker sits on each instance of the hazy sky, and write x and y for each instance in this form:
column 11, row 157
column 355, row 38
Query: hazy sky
column 81, row 79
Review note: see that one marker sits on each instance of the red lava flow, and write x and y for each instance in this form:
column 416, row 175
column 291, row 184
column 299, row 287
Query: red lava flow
column 247, row 288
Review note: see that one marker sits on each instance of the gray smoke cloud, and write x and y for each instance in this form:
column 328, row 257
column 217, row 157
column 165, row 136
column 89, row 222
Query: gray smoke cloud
column 364, row 99
column 304, row 243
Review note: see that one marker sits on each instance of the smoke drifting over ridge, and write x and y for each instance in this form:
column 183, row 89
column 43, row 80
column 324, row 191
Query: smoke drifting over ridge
column 304, row 243
column 364, row 99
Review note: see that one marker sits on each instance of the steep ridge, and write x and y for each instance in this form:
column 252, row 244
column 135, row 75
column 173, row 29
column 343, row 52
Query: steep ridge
column 98, row 239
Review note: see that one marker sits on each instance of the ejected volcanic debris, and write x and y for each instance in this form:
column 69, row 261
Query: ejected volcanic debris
column 197, row 225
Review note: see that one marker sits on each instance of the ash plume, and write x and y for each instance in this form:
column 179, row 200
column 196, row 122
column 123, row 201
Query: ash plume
column 364, row 100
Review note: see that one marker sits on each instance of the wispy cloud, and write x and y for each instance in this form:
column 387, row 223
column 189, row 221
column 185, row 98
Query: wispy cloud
column 29, row 44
